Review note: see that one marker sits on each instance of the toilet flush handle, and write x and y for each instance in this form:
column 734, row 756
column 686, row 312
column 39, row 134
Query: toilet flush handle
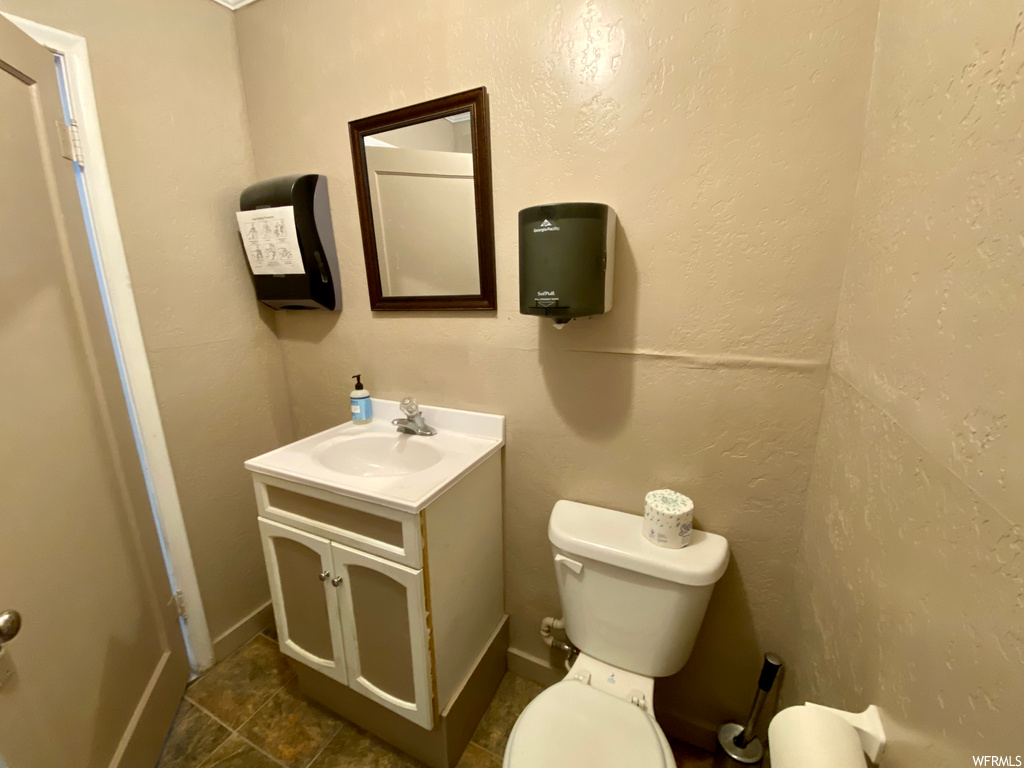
column 573, row 565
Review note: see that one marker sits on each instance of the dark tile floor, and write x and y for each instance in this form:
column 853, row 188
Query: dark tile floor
column 247, row 712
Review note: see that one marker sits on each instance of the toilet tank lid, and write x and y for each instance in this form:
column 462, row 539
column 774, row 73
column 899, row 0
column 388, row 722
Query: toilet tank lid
column 613, row 537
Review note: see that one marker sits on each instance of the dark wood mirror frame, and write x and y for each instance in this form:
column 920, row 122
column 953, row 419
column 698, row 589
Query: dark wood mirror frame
column 476, row 102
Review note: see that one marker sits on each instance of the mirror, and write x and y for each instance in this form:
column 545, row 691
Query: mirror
column 423, row 185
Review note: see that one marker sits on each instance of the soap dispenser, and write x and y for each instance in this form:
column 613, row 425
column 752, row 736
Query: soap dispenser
column 362, row 408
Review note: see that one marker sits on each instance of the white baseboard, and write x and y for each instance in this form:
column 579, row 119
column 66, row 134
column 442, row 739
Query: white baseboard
column 229, row 642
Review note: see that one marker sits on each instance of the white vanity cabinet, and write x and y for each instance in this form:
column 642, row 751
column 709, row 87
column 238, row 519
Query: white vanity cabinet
column 357, row 618
column 384, row 557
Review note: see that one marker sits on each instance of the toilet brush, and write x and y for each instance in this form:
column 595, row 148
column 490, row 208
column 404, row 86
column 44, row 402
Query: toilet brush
column 739, row 741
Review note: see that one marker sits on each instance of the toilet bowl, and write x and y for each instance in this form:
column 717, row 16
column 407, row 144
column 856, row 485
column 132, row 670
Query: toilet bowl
column 575, row 724
column 633, row 610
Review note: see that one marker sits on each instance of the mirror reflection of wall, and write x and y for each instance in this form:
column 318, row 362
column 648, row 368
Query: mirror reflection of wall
column 422, row 196
column 423, row 185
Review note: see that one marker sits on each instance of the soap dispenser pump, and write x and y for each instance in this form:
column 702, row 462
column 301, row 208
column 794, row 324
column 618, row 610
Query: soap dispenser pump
column 362, row 408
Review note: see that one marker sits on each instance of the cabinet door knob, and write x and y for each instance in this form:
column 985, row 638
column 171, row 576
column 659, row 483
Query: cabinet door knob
column 336, row 581
column 324, row 575
column 10, row 623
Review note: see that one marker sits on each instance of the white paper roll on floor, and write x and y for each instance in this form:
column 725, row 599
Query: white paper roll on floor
column 802, row 737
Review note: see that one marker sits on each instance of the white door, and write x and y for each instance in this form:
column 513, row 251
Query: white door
column 99, row 665
column 304, row 590
column 424, row 221
column 384, row 623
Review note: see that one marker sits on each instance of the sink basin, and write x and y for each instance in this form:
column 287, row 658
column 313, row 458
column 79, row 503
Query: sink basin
column 377, row 464
column 377, row 455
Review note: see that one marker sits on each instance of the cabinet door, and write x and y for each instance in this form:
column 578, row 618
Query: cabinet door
column 384, row 624
column 305, row 602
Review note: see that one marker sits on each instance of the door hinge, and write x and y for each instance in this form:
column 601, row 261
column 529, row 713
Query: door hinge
column 70, row 142
column 179, row 603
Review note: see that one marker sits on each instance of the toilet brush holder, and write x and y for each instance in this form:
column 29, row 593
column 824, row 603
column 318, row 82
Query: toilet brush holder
column 739, row 741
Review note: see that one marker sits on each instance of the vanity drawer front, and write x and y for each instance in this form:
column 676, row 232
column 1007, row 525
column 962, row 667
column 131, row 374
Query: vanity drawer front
column 381, row 531
column 342, row 518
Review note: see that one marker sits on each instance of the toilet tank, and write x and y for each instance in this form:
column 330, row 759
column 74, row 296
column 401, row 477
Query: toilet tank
column 628, row 602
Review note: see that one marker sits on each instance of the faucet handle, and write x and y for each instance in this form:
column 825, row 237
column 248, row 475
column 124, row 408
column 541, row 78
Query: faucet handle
column 409, row 406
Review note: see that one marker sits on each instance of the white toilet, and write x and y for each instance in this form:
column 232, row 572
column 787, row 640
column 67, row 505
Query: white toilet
column 633, row 609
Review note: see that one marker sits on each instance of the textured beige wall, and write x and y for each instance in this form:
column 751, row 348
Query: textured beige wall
column 727, row 137
column 172, row 114
column 912, row 571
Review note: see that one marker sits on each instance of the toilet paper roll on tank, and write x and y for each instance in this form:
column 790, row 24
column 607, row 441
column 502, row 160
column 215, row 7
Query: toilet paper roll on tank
column 668, row 519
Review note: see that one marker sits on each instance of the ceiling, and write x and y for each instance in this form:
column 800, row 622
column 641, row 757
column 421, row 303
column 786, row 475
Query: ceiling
column 234, row 4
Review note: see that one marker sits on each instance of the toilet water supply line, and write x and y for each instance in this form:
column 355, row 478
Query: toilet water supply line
column 550, row 623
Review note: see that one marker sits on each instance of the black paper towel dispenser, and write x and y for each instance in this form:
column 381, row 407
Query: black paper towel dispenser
column 285, row 225
column 566, row 260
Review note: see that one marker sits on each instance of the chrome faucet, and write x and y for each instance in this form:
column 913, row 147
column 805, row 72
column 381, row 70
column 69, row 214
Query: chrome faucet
column 414, row 423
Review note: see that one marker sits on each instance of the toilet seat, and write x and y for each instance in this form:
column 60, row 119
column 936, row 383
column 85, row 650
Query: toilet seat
column 574, row 725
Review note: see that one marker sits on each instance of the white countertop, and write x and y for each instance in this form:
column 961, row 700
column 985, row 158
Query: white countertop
column 464, row 438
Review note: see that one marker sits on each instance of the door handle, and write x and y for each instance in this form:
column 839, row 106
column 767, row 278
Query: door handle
column 573, row 565
column 336, row 581
column 324, row 575
column 10, row 624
